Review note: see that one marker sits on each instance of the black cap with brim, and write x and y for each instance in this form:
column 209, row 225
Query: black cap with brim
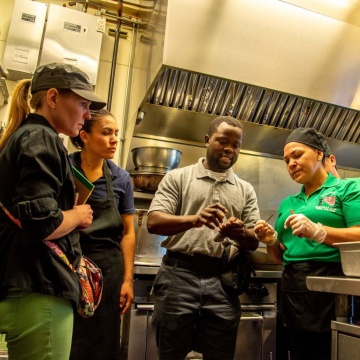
column 310, row 137
column 65, row 76
column 96, row 102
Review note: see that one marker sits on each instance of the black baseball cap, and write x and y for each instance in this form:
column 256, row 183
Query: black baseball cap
column 310, row 137
column 65, row 76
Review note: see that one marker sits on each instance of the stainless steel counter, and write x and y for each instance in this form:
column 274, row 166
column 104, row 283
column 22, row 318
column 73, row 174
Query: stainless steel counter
column 346, row 328
column 337, row 285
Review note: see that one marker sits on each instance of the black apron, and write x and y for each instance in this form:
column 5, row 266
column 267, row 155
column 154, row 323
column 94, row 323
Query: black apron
column 302, row 309
column 98, row 337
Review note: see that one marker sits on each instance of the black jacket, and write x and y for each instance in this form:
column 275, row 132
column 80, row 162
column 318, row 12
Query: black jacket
column 35, row 185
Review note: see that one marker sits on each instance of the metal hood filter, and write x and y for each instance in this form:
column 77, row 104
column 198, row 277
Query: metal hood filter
column 181, row 101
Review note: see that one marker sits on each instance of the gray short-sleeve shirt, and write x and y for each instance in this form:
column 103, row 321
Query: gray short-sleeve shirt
column 188, row 190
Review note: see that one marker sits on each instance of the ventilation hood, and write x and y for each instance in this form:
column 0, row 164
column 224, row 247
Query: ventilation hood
column 270, row 64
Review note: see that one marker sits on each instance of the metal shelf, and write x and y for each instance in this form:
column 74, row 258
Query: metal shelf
column 143, row 195
column 337, row 285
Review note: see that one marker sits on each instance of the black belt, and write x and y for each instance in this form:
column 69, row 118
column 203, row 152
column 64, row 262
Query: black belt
column 199, row 263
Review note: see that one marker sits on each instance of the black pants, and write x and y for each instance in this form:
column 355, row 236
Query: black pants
column 310, row 346
column 307, row 314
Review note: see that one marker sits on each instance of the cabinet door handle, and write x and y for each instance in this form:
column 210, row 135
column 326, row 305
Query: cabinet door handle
column 145, row 307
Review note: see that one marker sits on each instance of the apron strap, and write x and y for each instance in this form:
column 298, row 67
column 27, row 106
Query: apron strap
column 108, row 178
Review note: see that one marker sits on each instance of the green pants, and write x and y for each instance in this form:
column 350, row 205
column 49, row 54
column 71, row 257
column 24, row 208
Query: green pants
column 36, row 326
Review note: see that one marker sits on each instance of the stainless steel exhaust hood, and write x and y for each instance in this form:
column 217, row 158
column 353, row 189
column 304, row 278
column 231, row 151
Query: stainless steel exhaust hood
column 211, row 58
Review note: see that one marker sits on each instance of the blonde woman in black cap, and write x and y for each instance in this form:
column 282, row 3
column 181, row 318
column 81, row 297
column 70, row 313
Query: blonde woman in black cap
column 324, row 212
column 37, row 291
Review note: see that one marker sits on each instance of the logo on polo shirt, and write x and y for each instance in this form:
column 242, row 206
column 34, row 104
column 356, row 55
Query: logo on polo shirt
column 330, row 200
column 327, row 202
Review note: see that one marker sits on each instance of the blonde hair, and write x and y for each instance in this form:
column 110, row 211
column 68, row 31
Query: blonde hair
column 20, row 108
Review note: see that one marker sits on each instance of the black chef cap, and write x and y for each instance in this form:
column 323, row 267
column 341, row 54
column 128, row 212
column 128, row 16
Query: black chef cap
column 310, row 137
column 66, row 76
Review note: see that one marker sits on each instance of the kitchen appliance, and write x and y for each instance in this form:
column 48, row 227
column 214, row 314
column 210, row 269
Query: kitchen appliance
column 4, row 93
column 350, row 257
column 155, row 158
column 267, row 87
column 345, row 343
column 151, row 164
column 73, row 37
column 148, row 251
column 24, row 38
column 257, row 331
column 41, row 34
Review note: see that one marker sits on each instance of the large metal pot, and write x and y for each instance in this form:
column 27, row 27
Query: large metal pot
column 148, row 250
column 155, row 159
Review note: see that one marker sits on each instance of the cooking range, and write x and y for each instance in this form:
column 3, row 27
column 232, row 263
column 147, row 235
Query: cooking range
column 257, row 331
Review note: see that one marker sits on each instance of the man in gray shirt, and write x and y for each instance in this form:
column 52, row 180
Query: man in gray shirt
column 194, row 310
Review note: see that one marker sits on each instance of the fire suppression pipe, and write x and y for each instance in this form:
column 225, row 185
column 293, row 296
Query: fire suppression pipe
column 115, row 52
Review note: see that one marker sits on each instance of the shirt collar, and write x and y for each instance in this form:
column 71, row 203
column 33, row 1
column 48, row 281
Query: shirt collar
column 34, row 118
column 330, row 181
column 201, row 172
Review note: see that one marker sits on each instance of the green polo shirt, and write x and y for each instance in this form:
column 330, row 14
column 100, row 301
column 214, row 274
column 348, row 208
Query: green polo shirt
column 336, row 203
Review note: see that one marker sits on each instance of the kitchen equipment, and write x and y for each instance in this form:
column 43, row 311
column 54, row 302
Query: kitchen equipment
column 183, row 95
column 257, row 331
column 148, row 250
column 345, row 341
column 73, row 37
column 350, row 257
column 147, row 182
column 24, row 39
column 345, row 338
column 4, row 93
column 155, row 159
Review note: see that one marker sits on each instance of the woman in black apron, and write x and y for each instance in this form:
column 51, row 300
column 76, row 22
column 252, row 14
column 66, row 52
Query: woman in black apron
column 109, row 241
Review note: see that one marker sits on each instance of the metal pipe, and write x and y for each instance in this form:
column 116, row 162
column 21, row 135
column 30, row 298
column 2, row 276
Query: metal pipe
column 115, row 52
column 98, row 4
column 127, row 97
column 125, row 20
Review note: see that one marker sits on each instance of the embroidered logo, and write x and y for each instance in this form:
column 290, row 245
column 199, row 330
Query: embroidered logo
column 330, row 200
column 327, row 202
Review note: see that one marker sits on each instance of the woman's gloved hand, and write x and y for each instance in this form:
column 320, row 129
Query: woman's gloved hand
column 301, row 226
column 265, row 233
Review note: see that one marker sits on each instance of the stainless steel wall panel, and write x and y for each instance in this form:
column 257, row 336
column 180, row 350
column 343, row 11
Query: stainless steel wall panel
column 71, row 37
column 24, row 39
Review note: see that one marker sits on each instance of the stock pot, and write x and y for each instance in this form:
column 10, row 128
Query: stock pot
column 155, row 159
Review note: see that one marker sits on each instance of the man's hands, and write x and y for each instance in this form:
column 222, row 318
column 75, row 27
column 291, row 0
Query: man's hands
column 233, row 228
column 212, row 216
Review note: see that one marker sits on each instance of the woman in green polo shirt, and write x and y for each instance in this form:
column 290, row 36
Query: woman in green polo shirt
column 324, row 212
